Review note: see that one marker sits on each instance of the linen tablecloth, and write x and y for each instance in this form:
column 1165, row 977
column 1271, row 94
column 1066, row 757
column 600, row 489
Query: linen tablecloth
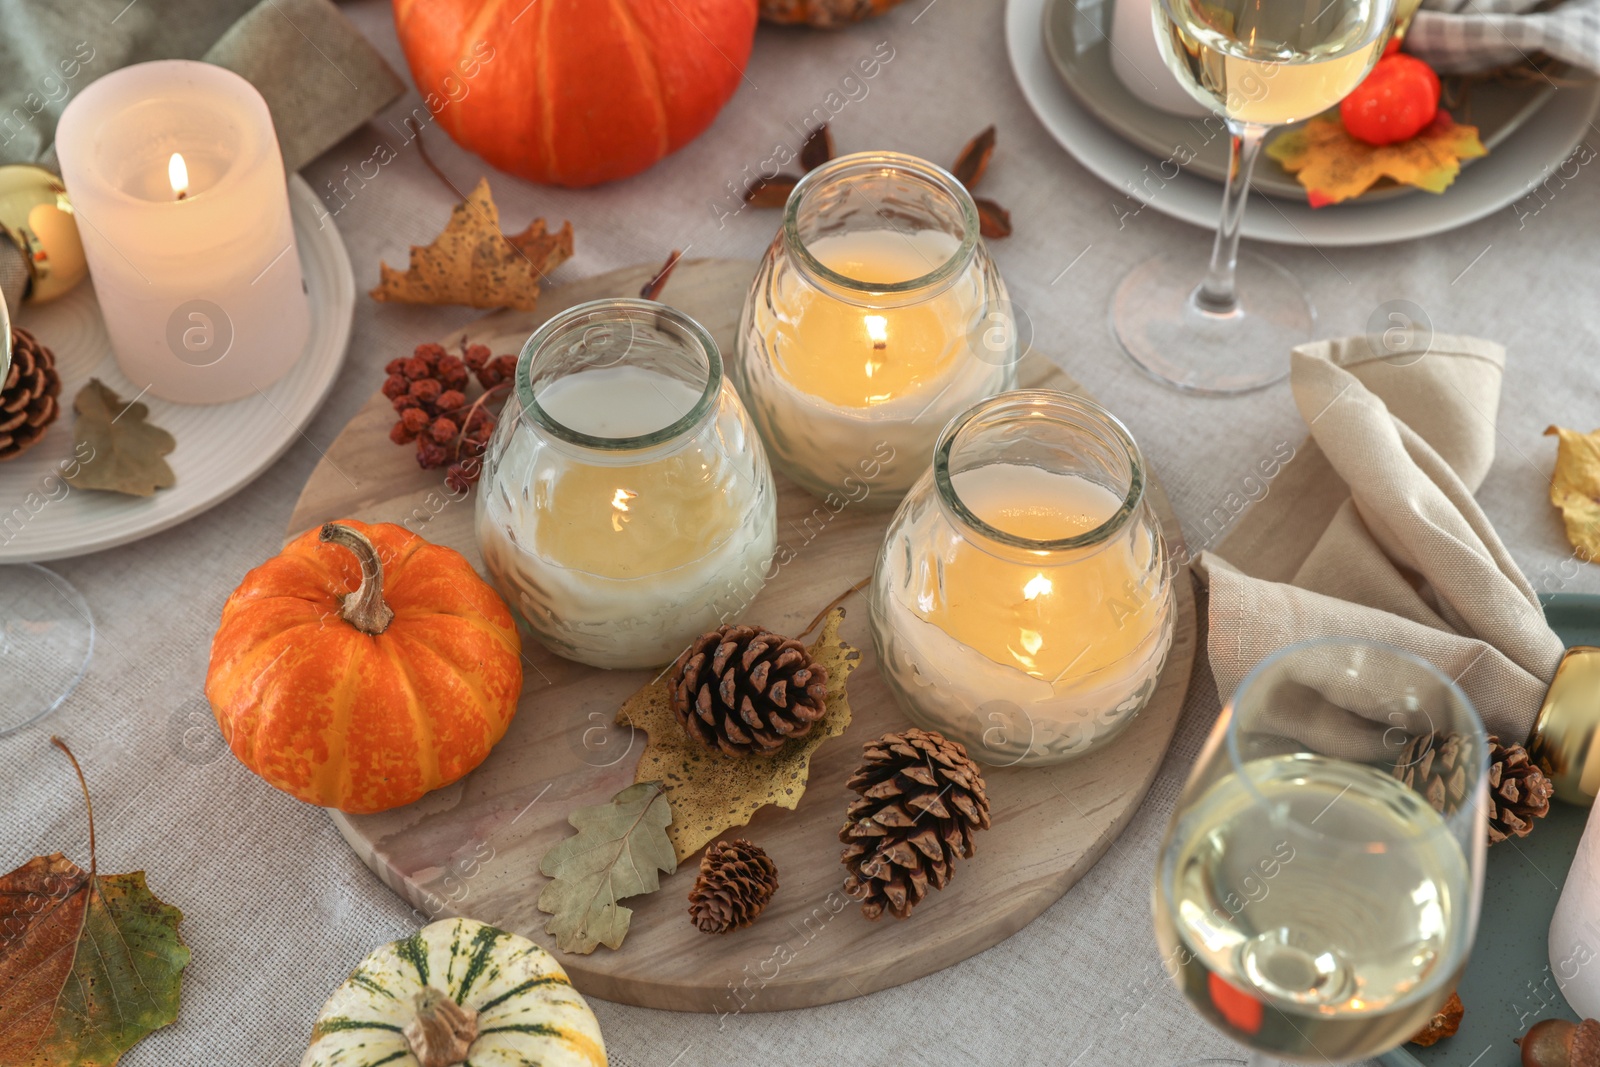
column 278, row 909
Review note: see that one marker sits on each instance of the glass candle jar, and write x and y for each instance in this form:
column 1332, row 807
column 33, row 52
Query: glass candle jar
column 626, row 504
column 876, row 316
column 1022, row 602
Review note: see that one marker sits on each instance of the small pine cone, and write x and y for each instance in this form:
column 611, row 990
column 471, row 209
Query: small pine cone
column 1436, row 767
column 28, row 395
column 921, row 800
column 736, row 881
column 1518, row 792
column 745, row 689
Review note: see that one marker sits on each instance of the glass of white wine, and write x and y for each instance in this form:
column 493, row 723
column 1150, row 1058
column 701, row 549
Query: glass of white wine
column 1310, row 903
column 1261, row 64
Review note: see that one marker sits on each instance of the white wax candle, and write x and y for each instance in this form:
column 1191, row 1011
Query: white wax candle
column 1046, row 655
column 857, row 395
column 178, row 185
column 622, row 563
column 1575, row 927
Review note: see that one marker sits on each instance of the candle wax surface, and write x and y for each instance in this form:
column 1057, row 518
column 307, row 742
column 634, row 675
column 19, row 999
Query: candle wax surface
column 856, row 357
column 1056, row 622
column 627, row 521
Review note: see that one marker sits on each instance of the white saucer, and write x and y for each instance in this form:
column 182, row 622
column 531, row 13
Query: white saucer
column 1507, row 174
column 221, row 448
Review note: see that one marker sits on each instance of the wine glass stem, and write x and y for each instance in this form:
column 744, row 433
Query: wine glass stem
column 1218, row 294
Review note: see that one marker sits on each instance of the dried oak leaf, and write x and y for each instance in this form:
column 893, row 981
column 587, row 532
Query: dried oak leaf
column 1575, row 488
column 124, row 450
column 771, row 192
column 1333, row 166
column 974, row 159
column 471, row 262
column 711, row 792
column 818, row 148
column 615, row 853
column 89, row 964
column 1444, row 1023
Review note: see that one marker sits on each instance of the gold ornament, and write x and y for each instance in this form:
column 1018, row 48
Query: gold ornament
column 36, row 216
column 1566, row 739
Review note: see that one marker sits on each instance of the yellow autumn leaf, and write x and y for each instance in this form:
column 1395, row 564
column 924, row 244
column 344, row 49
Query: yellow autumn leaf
column 710, row 791
column 1575, row 488
column 1334, row 166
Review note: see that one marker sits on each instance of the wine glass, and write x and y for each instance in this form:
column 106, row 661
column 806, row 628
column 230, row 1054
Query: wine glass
column 1261, row 63
column 46, row 629
column 1310, row 901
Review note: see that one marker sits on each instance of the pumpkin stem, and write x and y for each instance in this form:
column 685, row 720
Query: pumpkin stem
column 364, row 609
column 442, row 1033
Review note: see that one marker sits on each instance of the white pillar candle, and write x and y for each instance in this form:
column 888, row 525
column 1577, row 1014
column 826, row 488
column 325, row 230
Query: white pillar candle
column 621, row 562
column 178, row 185
column 1032, row 656
column 1575, row 927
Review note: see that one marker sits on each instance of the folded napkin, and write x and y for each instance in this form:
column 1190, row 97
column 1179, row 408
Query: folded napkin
column 1457, row 36
column 321, row 78
column 1371, row 531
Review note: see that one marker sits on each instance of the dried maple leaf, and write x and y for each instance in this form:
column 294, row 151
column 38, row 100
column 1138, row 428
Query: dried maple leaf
column 1575, row 488
column 125, row 451
column 711, row 792
column 471, row 262
column 974, row 159
column 88, row 964
column 614, row 854
column 1334, row 166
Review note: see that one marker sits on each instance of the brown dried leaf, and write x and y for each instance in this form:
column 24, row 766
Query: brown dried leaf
column 993, row 220
column 818, row 148
column 1575, row 488
column 711, row 792
column 471, row 262
column 771, row 192
column 974, row 159
column 652, row 288
column 125, row 450
column 1445, row 1022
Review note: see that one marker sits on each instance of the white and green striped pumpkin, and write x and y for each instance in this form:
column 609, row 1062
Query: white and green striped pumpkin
column 457, row 992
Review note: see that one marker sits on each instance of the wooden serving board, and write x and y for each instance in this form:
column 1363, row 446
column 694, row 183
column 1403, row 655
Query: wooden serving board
column 473, row 848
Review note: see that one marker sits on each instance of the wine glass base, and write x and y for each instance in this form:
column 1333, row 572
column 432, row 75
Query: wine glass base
column 46, row 640
column 1171, row 337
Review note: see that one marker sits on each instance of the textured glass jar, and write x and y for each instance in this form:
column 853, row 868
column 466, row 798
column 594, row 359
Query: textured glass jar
column 626, row 505
column 1022, row 602
column 877, row 316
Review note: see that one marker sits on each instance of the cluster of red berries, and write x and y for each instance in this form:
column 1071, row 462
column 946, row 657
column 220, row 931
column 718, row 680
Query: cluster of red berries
column 429, row 392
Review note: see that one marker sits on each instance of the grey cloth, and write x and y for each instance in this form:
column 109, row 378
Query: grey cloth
column 320, row 77
column 1459, row 36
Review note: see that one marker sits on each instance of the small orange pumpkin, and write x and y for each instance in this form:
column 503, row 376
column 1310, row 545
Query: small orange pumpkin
column 363, row 667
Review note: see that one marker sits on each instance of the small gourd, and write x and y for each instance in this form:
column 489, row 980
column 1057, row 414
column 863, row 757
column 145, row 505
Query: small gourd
column 457, row 991
column 362, row 667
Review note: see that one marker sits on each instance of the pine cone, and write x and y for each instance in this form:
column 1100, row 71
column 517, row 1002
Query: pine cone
column 921, row 800
column 1437, row 768
column 745, row 689
column 1518, row 792
column 736, row 881
column 28, row 399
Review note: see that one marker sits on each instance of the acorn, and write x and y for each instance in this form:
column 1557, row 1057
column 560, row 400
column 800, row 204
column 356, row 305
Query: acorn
column 1559, row 1043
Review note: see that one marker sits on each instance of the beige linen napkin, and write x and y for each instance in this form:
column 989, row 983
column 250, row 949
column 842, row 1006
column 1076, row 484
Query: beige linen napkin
column 1371, row 531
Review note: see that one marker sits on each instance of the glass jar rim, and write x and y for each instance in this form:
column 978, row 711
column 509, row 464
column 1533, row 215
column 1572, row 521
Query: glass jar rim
column 1040, row 401
column 617, row 310
column 867, row 162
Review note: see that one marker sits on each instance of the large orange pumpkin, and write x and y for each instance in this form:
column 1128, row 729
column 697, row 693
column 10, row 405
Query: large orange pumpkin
column 363, row 667
column 575, row 92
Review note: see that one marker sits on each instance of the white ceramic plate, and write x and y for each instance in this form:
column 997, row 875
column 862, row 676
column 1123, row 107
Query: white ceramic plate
column 1490, row 184
column 221, row 448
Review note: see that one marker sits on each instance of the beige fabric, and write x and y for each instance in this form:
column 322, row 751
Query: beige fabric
column 1406, row 556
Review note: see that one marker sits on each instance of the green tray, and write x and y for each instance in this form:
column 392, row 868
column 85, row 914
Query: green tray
column 1508, row 985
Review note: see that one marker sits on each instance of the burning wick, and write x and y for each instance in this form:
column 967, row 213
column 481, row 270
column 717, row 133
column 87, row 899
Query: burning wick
column 178, row 176
column 878, row 330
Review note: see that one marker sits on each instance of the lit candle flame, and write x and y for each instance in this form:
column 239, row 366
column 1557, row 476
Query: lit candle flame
column 877, row 329
column 1037, row 586
column 178, row 175
column 619, row 501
